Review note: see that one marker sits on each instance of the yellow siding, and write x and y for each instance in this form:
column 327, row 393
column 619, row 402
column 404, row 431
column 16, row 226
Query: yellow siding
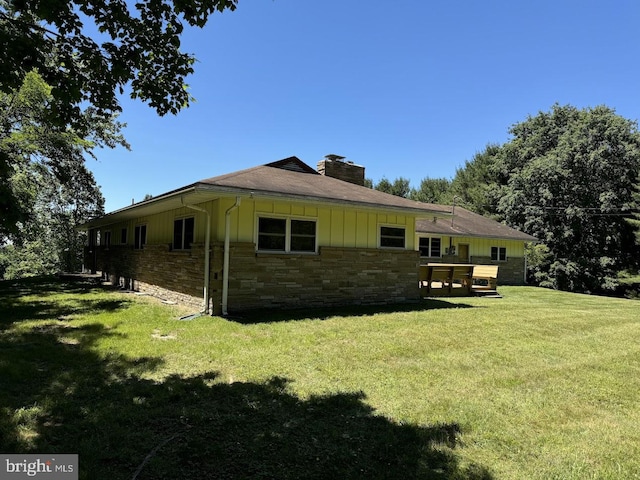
column 350, row 225
column 243, row 221
column 479, row 247
column 372, row 229
column 336, row 226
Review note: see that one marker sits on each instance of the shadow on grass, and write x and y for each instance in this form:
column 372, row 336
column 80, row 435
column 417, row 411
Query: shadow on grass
column 60, row 396
column 323, row 313
column 13, row 307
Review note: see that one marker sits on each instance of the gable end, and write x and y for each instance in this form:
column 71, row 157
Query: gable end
column 293, row 164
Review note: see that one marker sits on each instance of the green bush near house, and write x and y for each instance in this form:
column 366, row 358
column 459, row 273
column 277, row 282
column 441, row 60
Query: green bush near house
column 539, row 384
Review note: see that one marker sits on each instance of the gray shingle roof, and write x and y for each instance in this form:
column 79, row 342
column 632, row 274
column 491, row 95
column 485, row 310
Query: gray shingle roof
column 290, row 178
column 468, row 224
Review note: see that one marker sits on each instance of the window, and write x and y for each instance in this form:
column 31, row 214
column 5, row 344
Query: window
column 429, row 246
column 286, row 235
column 303, row 236
column 499, row 254
column 183, row 233
column 392, row 237
column 140, row 236
column 272, row 234
column 123, row 236
column 106, row 239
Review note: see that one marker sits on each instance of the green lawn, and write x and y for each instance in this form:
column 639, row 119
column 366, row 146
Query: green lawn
column 536, row 385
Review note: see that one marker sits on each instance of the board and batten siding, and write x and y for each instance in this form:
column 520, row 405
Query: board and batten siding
column 481, row 247
column 337, row 226
column 478, row 247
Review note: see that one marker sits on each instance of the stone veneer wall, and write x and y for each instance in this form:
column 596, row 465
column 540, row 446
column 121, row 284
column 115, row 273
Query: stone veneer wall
column 336, row 276
column 171, row 275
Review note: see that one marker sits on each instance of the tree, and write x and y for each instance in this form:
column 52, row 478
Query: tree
column 89, row 50
column 634, row 221
column 568, row 177
column 29, row 145
column 432, row 190
column 400, row 187
column 47, row 189
column 48, row 241
column 473, row 184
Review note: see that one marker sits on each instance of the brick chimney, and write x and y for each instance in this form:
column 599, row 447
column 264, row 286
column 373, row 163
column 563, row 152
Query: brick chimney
column 336, row 167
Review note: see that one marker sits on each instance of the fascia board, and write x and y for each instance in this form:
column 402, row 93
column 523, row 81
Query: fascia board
column 275, row 196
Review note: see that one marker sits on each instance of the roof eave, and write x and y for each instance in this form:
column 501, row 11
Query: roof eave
column 476, row 235
column 168, row 201
column 271, row 195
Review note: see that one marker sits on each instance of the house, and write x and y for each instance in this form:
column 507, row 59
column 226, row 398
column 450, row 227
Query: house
column 467, row 237
column 277, row 235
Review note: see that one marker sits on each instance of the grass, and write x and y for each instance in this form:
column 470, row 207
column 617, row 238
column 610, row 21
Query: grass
column 536, row 385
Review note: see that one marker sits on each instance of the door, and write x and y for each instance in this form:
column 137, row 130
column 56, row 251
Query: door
column 463, row 252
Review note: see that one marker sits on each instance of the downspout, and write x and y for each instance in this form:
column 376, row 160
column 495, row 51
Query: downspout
column 207, row 262
column 225, row 266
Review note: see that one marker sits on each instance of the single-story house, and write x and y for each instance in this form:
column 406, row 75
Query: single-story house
column 467, row 237
column 277, row 235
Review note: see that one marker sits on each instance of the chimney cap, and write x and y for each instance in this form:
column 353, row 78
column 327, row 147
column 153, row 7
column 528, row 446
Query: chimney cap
column 333, row 156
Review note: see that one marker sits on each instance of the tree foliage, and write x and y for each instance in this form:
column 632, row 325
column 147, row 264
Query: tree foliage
column 567, row 177
column 432, row 190
column 89, row 50
column 47, row 189
column 473, row 183
column 400, row 187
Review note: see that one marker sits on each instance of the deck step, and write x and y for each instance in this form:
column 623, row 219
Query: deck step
column 486, row 293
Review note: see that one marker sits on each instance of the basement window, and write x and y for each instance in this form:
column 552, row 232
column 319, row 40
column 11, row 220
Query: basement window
column 392, row 237
column 286, row 235
column 183, row 233
column 499, row 254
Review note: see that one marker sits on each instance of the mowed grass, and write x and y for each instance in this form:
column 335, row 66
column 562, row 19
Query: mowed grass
column 536, row 385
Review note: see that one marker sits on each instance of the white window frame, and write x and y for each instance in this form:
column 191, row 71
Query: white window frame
column 399, row 227
column 501, row 254
column 182, row 234
column 430, row 238
column 287, row 234
column 137, row 237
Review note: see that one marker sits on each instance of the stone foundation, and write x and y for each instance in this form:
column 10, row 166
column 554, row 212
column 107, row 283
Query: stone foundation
column 334, row 277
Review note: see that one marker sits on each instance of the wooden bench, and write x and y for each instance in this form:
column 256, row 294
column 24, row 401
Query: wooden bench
column 485, row 273
column 438, row 279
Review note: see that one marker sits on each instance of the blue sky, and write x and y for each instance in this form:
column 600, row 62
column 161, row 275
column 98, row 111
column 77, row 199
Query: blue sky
column 410, row 88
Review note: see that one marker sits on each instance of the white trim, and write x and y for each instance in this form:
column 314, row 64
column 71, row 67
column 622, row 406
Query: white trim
column 498, row 259
column 391, row 225
column 430, row 237
column 183, row 218
column 287, row 233
column 135, row 237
